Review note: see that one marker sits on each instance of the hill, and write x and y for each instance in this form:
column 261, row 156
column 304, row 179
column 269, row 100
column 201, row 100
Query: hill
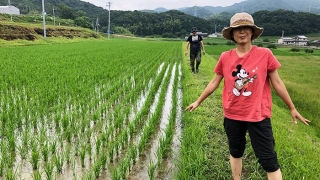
column 35, row 7
column 252, row 6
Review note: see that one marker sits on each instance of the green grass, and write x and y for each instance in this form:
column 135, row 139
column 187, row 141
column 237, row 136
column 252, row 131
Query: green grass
column 204, row 153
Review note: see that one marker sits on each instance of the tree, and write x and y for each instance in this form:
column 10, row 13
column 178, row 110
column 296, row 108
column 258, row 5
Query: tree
column 65, row 12
column 82, row 20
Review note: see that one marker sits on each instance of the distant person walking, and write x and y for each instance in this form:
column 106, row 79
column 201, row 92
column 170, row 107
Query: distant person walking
column 248, row 72
column 196, row 44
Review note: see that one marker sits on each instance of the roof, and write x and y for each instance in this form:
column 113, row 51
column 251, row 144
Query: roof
column 6, row 7
column 287, row 38
column 302, row 37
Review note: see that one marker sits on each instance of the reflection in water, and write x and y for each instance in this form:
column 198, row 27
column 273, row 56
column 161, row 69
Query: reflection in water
column 140, row 171
column 46, row 129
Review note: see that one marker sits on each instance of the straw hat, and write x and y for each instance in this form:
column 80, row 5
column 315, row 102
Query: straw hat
column 242, row 19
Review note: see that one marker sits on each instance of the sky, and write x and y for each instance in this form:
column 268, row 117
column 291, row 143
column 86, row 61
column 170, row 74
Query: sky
column 153, row 4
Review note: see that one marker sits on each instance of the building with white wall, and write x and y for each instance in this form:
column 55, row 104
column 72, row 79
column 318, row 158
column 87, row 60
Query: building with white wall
column 9, row 10
column 299, row 40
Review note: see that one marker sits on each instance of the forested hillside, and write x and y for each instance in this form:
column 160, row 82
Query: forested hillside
column 292, row 23
column 61, row 7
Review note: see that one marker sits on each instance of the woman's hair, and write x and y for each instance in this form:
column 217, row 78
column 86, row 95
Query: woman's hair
column 231, row 34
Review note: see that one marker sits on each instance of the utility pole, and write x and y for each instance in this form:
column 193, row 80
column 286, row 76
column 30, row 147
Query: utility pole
column 97, row 25
column 9, row 4
column 44, row 21
column 54, row 17
column 109, row 5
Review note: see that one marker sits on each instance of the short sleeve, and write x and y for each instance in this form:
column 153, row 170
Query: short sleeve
column 189, row 39
column 200, row 38
column 219, row 67
column 273, row 62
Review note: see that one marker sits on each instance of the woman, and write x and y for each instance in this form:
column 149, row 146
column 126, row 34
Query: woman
column 248, row 71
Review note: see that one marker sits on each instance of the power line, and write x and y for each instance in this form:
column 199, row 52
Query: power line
column 109, row 5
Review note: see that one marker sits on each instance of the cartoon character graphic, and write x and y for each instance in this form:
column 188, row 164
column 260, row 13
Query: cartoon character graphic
column 242, row 81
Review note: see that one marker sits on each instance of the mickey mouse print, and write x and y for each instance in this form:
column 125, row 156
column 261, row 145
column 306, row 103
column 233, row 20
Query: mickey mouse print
column 242, row 81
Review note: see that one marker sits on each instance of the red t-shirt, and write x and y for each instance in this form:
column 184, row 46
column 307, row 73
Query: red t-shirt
column 246, row 92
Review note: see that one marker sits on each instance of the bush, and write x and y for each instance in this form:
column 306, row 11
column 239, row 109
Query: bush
column 231, row 43
column 260, row 45
column 168, row 35
column 209, row 43
column 266, row 40
column 272, row 46
column 308, row 50
column 295, row 50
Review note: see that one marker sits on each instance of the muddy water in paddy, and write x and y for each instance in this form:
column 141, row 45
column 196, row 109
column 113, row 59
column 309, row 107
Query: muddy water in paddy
column 139, row 171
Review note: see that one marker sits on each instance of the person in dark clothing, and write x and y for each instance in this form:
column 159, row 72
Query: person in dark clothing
column 196, row 44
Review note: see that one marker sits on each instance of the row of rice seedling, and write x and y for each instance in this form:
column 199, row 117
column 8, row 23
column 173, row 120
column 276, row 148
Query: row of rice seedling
column 129, row 159
column 147, row 130
column 167, row 125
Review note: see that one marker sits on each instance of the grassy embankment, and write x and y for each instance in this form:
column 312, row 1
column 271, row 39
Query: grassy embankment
column 28, row 30
column 204, row 153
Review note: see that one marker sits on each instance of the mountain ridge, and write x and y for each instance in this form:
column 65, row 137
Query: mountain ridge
column 250, row 6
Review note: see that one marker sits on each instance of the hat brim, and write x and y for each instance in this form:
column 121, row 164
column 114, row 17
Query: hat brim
column 256, row 32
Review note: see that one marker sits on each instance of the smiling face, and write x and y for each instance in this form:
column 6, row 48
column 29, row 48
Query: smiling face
column 242, row 34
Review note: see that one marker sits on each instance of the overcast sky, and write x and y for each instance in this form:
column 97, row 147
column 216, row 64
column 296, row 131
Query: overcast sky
column 152, row 4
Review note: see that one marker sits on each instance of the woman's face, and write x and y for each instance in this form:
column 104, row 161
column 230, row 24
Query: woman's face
column 243, row 34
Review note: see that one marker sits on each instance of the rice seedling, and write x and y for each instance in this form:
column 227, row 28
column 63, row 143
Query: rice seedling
column 35, row 156
column 67, row 154
column 11, row 142
column 23, row 151
column 59, row 161
column 82, row 153
column 124, row 166
column 97, row 169
column 103, row 159
column 133, row 154
column 111, row 152
column 98, row 145
column 49, row 169
column 53, row 147
column 90, row 175
column 151, row 169
column 45, row 151
column 89, row 150
column 88, row 134
column 116, row 175
column 11, row 174
column 2, row 166
column 36, row 175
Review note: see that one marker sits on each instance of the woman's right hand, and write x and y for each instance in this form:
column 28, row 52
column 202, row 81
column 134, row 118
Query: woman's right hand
column 192, row 106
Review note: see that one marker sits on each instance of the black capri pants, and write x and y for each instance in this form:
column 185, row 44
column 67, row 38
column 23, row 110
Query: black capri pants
column 262, row 141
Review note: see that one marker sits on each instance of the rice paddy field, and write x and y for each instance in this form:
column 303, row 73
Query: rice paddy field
column 114, row 109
